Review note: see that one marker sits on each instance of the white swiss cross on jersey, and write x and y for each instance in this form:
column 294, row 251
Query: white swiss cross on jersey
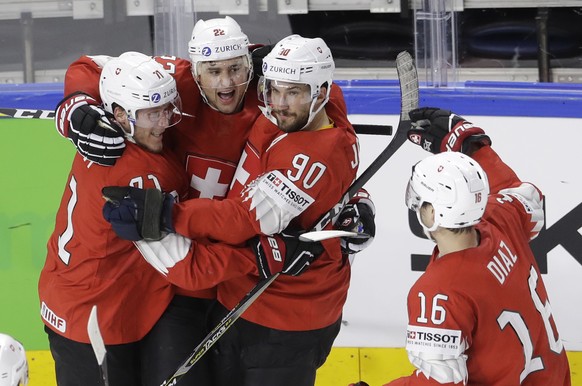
column 209, row 178
column 249, row 167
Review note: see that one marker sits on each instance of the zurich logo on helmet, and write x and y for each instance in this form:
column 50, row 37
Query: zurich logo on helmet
column 206, row 51
column 265, row 65
column 156, row 98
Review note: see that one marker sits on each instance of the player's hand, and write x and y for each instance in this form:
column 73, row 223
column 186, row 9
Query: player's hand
column 138, row 214
column 438, row 130
column 357, row 216
column 92, row 130
column 284, row 253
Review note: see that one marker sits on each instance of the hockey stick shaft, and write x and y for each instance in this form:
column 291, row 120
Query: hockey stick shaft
column 408, row 79
column 409, row 91
column 27, row 113
column 220, row 329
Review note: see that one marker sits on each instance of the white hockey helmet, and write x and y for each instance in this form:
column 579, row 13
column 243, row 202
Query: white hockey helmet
column 299, row 60
column 456, row 186
column 13, row 363
column 217, row 39
column 136, row 81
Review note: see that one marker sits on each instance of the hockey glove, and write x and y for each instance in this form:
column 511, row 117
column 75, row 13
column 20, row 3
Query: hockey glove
column 138, row 214
column 437, row 131
column 357, row 216
column 284, row 253
column 258, row 52
column 93, row 131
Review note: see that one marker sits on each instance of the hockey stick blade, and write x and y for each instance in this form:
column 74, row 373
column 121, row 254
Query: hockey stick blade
column 27, row 113
column 408, row 79
column 98, row 346
column 409, row 100
column 330, row 234
column 219, row 330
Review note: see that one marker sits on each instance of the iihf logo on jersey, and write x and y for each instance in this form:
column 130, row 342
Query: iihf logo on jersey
column 206, row 51
column 156, row 97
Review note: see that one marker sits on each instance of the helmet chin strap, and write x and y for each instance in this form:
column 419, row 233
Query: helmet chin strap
column 131, row 133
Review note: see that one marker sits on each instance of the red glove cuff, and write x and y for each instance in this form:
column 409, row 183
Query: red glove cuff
column 363, row 197
column 453, row 141
column 66, row 107
column 274, row 250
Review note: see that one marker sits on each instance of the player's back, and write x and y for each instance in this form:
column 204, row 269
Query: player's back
column 494, row 295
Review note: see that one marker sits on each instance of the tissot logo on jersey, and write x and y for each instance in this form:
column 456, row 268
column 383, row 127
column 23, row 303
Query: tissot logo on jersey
column 303, row 200
column 434, row 340
column 284, row 193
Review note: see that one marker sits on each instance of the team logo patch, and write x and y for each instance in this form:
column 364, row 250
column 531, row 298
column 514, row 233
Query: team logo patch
column 434, row 340
column 414, row 138
column 156, row 97
column 206, row 51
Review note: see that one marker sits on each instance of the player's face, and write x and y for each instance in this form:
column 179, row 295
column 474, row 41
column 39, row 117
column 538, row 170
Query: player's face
column 150, row 125
column 224, row 83
column 290, row 104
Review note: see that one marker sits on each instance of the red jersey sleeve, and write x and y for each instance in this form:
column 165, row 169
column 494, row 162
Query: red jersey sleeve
column 522, row 202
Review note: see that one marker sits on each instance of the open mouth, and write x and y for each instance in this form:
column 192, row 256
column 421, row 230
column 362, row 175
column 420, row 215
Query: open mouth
column 226, row 95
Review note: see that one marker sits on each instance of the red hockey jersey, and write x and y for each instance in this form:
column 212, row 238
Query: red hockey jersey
column 321, row 165
column 487, row 305
column 87, row 264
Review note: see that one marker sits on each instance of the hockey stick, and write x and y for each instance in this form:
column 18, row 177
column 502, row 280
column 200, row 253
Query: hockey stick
column 98, row 345
column 360, row 128
column 408, row 79
column 409, row 100
column 27, row 113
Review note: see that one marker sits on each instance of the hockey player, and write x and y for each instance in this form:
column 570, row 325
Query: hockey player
column 296, row 165
column 13, row 363
column 479, row 314
column 86, row 263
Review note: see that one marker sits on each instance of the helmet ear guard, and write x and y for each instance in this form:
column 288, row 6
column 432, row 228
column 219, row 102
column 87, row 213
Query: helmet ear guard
column 454, row 184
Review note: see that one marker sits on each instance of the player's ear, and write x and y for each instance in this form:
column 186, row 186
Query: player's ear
column 322, row 92
column 120, row 116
